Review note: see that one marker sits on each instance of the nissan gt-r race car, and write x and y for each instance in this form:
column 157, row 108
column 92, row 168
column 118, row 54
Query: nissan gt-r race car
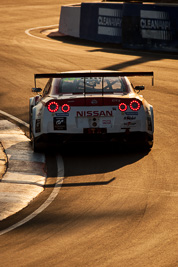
column 90, row 106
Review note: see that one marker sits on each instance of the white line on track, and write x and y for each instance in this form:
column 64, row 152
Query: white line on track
column 41, row 27
column 52, row 196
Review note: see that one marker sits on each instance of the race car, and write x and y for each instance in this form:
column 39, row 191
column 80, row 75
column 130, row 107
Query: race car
column 90, row 106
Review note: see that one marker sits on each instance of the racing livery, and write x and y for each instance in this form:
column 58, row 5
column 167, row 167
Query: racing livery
column 90, row 106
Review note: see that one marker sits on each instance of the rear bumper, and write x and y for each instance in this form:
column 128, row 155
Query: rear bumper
column 134, row 138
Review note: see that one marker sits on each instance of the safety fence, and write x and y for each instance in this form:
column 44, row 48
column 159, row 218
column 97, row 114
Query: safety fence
column 133, row 25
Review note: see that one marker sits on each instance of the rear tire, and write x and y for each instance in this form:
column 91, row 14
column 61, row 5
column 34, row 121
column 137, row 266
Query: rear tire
column 149, row 142
column 30, row 131
column 30, row 121
column 35, row 145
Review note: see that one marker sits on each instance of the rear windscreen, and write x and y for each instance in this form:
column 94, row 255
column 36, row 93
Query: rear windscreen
column 89, row 85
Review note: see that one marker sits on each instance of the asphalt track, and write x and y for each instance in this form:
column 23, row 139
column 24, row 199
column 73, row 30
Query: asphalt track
column 117, row 207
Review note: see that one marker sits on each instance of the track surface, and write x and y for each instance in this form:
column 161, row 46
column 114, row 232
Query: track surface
column 115, row 208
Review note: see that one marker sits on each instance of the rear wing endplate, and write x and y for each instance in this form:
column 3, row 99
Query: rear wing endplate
column 93, row 74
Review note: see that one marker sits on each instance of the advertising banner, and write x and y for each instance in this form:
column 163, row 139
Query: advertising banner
column 153, row 27
column 101, row 22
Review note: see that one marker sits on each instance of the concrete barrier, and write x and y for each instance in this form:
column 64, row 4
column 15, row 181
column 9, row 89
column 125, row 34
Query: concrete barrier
column 135, row 26
column 69, row 23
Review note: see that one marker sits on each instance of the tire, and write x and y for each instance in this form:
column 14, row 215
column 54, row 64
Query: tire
column 30, row 121
column 30, row 131
column 149, row 142
column 34, row 143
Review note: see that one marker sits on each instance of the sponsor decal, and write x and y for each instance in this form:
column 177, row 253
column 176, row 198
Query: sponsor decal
column 64, row 114
column 113, row 108
column 60, row 123
column 129, row 118
column 94, row 102
column 130, row 124
column 116, row 100
column 39, row 112
column 155, row 25
column 131, row 113
column 38, row 126
column 106, row 121
column 95, row 113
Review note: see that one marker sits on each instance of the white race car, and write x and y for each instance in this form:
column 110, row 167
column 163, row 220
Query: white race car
column 90, row 106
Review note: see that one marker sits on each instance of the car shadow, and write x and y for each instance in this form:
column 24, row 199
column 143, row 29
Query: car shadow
column 92, row 159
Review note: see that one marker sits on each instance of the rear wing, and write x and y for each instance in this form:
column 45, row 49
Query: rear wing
column 93, row 74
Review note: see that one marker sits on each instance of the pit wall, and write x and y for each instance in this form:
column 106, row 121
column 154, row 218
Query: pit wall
column 134, row 26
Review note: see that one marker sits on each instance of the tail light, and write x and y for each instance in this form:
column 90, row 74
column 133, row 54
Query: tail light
column 53, row 106
column 122, row 107
column 65, row 108
column 135, row 105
